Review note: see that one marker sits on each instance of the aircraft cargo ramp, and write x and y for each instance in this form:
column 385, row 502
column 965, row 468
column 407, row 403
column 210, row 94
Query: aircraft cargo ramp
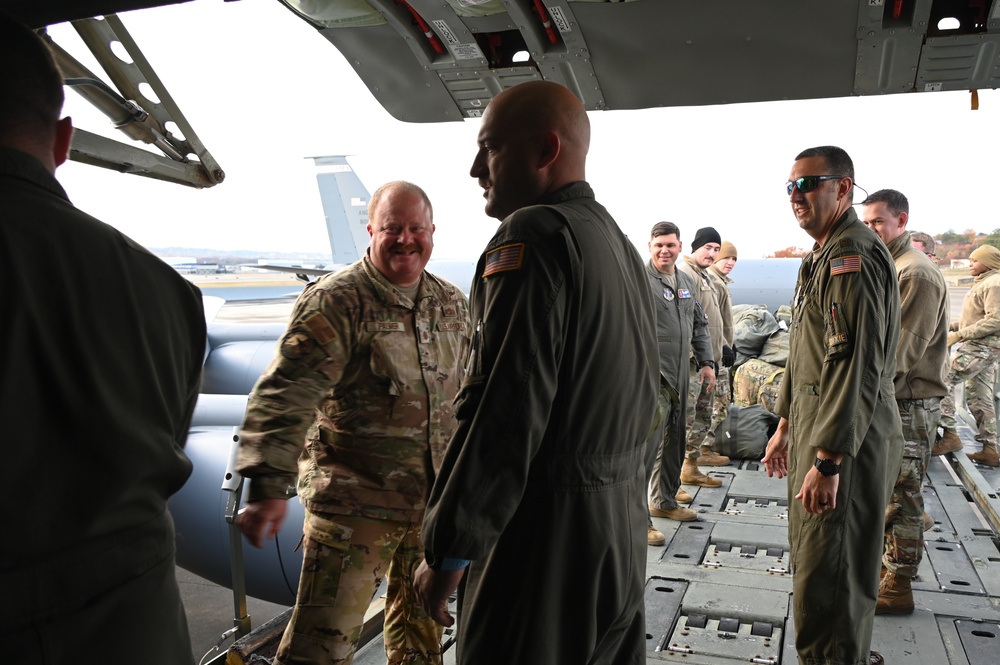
column 719, row 591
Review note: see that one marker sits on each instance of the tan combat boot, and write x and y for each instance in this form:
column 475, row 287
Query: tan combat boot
column 691, row 475
column 678, row 514
column 948, row 443
column 683, row 497
column 988, row 456
column 928, row 522
column 655, row 538
column 711, row 458
column 894, row 595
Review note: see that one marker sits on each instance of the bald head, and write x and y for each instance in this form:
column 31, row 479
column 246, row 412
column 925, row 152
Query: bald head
column 33, row 96
column 533, row 141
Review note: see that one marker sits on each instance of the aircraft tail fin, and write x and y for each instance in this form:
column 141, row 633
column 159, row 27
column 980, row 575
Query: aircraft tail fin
column 345, row 204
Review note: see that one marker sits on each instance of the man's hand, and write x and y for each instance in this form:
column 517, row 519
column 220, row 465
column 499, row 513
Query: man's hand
column 433, row 587
column 262, row 517
column 728, row 357
column 707, row 375
column 953, row 339
column 776, row 458
column 818, row 493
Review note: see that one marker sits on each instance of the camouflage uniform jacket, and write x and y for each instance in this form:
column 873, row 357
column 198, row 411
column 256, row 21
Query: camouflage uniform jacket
column 980, row 320
column 709, row 300
column 681, row 327
column 922, row 355
column 365, row 380
column 721, row 282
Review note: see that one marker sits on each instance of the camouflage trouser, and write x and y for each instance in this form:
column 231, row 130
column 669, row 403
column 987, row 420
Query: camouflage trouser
column 699, row 416
column 723, row 398
column 976, row 365
column 904, row 514
column 343, row 563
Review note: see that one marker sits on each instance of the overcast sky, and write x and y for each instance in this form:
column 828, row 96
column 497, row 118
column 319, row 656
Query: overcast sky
column 264, row 90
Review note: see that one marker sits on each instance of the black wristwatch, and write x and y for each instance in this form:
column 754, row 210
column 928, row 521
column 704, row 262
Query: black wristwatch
column 827, row 467
column 710, row 363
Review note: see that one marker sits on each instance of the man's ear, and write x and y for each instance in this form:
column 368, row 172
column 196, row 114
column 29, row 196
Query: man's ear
column 64, row 137
column 551, row 146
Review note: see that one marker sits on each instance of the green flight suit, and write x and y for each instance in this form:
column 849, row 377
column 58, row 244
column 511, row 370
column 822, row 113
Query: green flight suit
column 543, row 486
column 837, row 394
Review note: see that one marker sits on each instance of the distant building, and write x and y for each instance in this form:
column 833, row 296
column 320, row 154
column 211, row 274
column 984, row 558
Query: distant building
column 960, row 264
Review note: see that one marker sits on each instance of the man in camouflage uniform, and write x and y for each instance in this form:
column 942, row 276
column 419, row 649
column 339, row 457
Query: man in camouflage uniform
column 720, row 270
column 681, row 329
column 359, row 401
column 975, row 361
column 698, row 451
column 839, row 439
column 921, row 359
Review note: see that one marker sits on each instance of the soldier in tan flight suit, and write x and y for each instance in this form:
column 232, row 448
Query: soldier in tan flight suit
column 975, row 362
column 724, row 264
column 839, row 439
column 921, row 361
column 359, row 401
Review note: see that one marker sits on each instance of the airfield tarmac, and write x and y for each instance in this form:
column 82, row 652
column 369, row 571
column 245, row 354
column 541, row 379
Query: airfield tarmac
column 209, row 607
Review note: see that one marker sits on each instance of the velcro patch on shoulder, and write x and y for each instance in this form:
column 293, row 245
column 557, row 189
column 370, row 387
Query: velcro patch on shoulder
column 501, row 259
column 296, row 345
column 320, row 328
column 845, row 264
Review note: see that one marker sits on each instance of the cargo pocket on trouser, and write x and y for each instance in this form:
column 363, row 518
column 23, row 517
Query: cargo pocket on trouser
column 333, row 596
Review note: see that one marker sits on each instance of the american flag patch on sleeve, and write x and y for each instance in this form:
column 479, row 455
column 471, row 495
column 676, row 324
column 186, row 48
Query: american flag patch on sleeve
column 508, row 257
column 845, row 264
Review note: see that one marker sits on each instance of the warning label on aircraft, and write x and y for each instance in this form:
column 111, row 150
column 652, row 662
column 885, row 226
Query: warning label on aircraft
column 559, row 19
column 465, row 52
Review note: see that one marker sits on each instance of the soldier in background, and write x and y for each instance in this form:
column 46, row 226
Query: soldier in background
column 359, row 402
column 720, row 270
column 975, row 361
column 704, row 250
column 681, row 329
column 921, row 361
column 923, row 242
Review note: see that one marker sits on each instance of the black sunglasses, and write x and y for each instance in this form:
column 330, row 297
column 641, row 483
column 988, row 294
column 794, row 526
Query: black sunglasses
column 807, row 183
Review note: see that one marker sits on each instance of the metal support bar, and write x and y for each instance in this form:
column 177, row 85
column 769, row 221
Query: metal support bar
column 233, row 483
column 132, row 112
column 984, row 495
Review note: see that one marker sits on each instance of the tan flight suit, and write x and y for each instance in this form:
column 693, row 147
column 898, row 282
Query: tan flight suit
column 724, row 378
column 837, row 394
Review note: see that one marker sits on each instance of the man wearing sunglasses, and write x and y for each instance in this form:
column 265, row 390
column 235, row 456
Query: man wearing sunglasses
column 839, row 439
column 921, row 361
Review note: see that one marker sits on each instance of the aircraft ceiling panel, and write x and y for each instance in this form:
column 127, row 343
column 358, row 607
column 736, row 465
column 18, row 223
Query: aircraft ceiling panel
column 887, row 62
column 38, row 13
column 406, row 89
column 960, row 62
column 649, row 54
